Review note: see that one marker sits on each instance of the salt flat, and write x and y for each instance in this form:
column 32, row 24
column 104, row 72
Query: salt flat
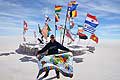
column 102, row 65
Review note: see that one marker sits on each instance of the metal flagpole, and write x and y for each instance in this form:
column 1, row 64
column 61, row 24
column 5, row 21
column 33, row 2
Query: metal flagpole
column 65, row 27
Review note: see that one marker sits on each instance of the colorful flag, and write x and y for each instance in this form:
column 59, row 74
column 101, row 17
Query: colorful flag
column 48, row 30
column 80, row 29
column 45, row 31
column 60, row 27
column 25, row 26
column 58, row 8
column 89, row 28
column 57, row 17
column 82, row 36
column 71, row 24
column 72, row 13
column 91, row 20
column 80, row 26
column 94, row 38
column 73, row 7
column 69, row 35
column 62, row 62
column 90, row 23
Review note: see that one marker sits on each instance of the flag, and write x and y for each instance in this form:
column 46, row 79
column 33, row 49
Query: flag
column 89, row 28
column 71, row 24
column 48, row 30
column 60, row 27
column 25, row 26
column 57, row 17
column 91, row 20
column 73, row 7
column 47, row 19
column 69, row 35
column 58, row 8
column 94, row 38
column 90, row 23
column 39, row 29
column 82, row 36
column 80, row 26
column 73, row 13
column 80, row 29
column 45, row 31
column 62, row 62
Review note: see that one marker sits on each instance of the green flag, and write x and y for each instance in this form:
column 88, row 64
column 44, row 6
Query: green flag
column 49, row 28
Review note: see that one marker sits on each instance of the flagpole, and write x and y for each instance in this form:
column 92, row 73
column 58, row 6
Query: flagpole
column 65, row 27
column 55, row 25
column 55, row 29
column 24, row 40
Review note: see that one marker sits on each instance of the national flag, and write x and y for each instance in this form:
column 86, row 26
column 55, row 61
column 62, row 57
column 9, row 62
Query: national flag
column 73, row 7
column 71, row 3
column 25, row 26
column 49, row 30
column 91, row 20
column 82, row 36
column 69, row 35
column 39, row 29
column 80, row 29
column 73, row 13
column 45, row 31
column 57, row 17
column 94, row 38
column 89, row 28
column 71, row 24
column 47, row 19
column 60, row 27
column 80, row 26
column 58, row 8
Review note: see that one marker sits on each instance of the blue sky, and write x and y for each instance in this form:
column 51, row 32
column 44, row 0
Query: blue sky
column 13, row 12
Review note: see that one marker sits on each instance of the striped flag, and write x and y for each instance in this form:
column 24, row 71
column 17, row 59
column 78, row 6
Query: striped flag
column 73, row 13
column 72, row 9
column 80, row 29
column 91, row 20
column 90, row 23
column 57, row 17
column 89, row 29
column 58, row 8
